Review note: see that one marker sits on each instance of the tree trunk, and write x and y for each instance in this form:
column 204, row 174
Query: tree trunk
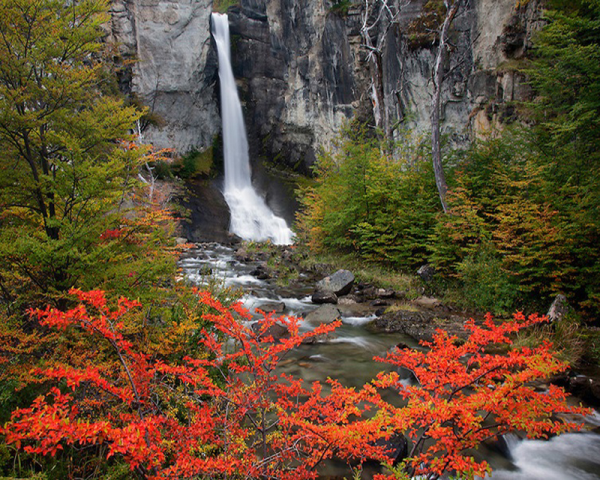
column 438, row 79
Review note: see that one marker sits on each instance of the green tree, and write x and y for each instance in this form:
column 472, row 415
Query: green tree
column 66, row 160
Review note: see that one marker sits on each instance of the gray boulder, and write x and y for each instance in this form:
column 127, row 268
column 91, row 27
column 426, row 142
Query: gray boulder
column 324, row 314
column 339, row 283
column 276, row 307
column 558, row 309
column 426, row 272
column 320, row 297
column 277, row 331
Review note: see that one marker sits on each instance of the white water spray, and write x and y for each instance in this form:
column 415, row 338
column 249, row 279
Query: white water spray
column 251, row 218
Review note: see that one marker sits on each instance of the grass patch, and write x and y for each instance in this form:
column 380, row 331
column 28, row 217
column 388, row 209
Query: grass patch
column 368, row 273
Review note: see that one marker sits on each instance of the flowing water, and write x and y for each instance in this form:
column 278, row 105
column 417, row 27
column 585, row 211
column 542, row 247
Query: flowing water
column 348, row 357
column 251, row 218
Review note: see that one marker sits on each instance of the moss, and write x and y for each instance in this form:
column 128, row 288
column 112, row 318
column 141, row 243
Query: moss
column 341, row 7
column 221, row 6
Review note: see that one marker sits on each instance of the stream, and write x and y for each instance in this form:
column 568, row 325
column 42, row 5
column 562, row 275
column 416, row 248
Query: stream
column 349, row 358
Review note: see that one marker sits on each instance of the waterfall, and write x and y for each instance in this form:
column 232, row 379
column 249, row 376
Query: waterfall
column 251, row 218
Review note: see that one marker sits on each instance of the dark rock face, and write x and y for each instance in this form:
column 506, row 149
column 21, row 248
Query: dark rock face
column 303, row 70
column 208, row 213
column 298, row 81
column 320, row 297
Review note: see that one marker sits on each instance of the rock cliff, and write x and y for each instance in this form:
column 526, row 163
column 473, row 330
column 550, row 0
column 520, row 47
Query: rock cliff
column 307, row 66
column 175, row 73
column 305, row 69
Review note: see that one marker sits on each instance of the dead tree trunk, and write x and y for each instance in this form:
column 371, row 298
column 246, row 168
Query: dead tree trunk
column 438, row 80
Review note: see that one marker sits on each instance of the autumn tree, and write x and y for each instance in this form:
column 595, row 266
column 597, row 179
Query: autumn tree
column 65, row 159
column 225, row 408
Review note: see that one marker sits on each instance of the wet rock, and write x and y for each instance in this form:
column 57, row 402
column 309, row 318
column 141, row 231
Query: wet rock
column 321, row 297
column 324, row 314
column 275, row 307
column 586, row 388
column 339, row 283
column 261, row 272
column 426, row 272
column 558, row 309
column 420, row 325
column 181, row 241
column 205, row 271
column 277, row 331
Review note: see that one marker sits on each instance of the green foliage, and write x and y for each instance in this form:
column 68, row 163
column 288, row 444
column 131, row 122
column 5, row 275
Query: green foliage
column 68, row 164
column 194, row 163
column 341, row 7
column 485, row 283
column 367, row 202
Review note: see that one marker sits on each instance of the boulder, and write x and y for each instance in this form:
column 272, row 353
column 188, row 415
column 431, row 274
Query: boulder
column 420, row 325
column 320, row 297
column 324, row 314
column 276, row 307
column 261, row 272
column 339, row 283
column 426, row 272
column 558, row 309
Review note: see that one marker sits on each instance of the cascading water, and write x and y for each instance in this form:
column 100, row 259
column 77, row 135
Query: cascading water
column 251, row 218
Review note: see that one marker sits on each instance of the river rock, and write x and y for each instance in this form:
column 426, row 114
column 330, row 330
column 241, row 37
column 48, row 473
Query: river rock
column 339, row 283
column 320, row 297
column 261, row 272
column 277, row 331
column 420, row 325
column 324, row 314
column 275, row 307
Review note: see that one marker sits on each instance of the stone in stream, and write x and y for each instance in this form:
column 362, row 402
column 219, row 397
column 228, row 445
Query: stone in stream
column 339, row 283
column 324, row 314
column 320, row 297
column 276, row 307
column 277, row 331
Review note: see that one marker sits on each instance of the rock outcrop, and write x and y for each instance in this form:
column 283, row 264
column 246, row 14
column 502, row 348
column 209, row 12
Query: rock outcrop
column 175, row 74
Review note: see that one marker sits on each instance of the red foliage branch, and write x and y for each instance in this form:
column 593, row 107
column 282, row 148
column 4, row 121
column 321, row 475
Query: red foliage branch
column 465, row 394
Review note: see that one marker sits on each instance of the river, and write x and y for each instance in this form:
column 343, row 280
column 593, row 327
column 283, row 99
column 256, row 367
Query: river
column 349, row 358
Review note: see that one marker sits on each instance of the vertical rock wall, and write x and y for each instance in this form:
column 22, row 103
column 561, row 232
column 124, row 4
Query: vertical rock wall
column 175, row 73
column 304, row 71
